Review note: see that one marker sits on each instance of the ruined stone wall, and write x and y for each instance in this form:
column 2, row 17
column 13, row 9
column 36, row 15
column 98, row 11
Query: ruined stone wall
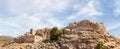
column 44, row 33
column 38, row 39
column 28, row 39
column 25, row 39
column 33, row 36
column 78, row 35
column 33, row 32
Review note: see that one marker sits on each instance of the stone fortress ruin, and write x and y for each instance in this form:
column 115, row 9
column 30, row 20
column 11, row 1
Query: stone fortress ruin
column 33, row 36
column 78, row 35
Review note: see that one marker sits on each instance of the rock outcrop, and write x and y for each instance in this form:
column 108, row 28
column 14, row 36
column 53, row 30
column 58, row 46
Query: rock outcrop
column 86, row 35
column 78, row 35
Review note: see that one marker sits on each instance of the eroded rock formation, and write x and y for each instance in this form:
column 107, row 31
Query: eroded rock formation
column 78, row 35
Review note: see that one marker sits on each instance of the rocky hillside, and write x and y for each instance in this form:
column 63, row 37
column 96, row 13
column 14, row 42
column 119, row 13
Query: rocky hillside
column 78, row 35
column 5, row 40
column 86, row 35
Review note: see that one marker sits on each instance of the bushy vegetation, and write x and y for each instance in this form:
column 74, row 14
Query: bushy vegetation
column 100, row 45
column 55, row 34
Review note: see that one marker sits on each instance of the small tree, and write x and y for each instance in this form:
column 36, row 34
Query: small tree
column 100, row 45
column 55, row 34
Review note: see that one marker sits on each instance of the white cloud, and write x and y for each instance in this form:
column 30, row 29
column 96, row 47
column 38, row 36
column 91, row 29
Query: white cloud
column 7, row 23
column 117, row 7
column 118, row 10
column 26, row 14
column 37, row 6
column 90, row 9
column 33, row 12
column 86, row 10
column 55, row 22
column 111, row 27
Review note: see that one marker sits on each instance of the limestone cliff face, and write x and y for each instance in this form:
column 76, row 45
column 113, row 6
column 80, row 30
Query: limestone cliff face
column 78, row 35
column 86, row 34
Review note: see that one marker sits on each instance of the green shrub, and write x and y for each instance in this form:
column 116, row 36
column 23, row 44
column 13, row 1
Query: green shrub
column 100, row 45
column 55, row 34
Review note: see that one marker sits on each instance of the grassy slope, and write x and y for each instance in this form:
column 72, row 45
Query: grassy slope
column 5, row 39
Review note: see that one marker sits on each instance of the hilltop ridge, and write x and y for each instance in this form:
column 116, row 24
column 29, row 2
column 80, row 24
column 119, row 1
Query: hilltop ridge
column 77, row 35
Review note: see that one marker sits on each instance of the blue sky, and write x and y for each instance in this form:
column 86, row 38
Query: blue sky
column 18, row 16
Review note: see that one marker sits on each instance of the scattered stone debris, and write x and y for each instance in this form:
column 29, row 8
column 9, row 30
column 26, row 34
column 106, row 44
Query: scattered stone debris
column 78, row 35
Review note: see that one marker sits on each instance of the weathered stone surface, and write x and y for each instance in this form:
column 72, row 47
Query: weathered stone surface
column 28, row 39
column 45, row 33
column 87, row 34
column 33, row 32
column 33, row 36
column 78, row 35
